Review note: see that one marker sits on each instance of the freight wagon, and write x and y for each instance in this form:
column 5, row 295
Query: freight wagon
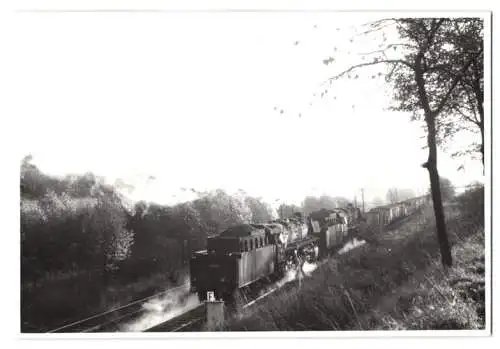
column 388, row 214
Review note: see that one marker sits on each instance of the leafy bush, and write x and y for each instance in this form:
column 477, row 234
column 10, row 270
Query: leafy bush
column 471, row 204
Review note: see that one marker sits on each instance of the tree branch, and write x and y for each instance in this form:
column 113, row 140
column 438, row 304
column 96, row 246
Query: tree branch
column 462, row 106
column 382, row 61
column 457, row 109
column 407, row 32
column 376, row 26
column 433, row 32
column 386, row 48
column 472, row 104
column 439, row 67
column 457, row 79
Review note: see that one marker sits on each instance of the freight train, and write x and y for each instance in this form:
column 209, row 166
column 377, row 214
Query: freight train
column 244, row 254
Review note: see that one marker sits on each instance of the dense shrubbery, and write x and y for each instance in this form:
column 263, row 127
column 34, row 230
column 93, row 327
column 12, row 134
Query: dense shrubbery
column 472, row 204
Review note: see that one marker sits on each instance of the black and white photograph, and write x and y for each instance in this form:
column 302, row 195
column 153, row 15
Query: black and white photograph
column 248, row 171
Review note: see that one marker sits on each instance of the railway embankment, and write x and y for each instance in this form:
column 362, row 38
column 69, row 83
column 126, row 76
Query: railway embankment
column 395, row 281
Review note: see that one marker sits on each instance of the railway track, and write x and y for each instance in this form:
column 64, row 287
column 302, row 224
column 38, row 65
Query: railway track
column 113, row 319
column 194, row 319
column 110, row 320
column 191, row 320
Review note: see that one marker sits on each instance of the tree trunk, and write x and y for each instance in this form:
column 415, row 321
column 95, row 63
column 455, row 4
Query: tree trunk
column 479, row 94
column 442, row 235
column 482, row 144
column 431, row 164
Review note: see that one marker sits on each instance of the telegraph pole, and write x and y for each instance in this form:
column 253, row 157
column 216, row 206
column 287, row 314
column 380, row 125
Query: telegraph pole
column 363, row 198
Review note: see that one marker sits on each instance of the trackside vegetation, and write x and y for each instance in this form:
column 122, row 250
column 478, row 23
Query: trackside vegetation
column 86, row 249
column 393, row 282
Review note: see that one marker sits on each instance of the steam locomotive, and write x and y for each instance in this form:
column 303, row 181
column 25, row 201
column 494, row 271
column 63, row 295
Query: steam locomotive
column 244, row 254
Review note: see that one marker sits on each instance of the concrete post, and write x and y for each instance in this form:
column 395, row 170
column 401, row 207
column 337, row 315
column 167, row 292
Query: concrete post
column 214, row 313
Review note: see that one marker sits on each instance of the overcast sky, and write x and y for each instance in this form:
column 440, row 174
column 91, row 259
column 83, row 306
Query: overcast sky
column 190, row 99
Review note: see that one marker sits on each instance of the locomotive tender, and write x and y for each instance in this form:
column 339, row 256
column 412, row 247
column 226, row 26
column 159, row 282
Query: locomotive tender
column 244, row 254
